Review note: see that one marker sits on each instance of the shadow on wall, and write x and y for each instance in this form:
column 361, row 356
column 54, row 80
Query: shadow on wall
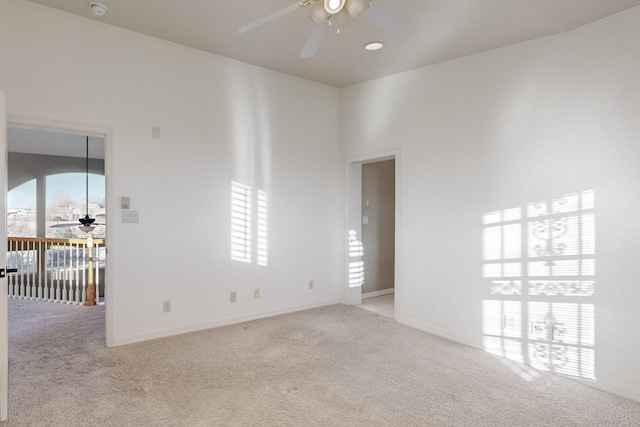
column 539, row 261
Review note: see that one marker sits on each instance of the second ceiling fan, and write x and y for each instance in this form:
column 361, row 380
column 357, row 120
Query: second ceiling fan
column 86, row 223
column 323, row 11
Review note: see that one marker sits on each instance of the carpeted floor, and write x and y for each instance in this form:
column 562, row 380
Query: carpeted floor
column 332, row 366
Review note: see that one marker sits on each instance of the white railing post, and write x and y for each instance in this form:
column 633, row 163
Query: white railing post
column 91, row 287
column 98, row 255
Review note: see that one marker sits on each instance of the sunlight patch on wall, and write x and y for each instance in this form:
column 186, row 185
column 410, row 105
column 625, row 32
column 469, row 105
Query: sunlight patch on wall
column 242, row 214
column 240, row 222
column 356, row 266
column 263, row 250
column 539, row 261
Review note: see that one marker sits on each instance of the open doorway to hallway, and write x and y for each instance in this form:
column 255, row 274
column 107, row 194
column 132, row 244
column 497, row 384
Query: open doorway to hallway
column 372, row 230
column 378, row 235
column 55, row 178
column 378, row 228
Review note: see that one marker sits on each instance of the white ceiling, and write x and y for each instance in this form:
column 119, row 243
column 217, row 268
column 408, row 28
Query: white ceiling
column 446, row 29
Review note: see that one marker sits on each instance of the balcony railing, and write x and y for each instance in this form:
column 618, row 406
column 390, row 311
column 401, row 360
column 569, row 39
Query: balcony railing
column 57, row 270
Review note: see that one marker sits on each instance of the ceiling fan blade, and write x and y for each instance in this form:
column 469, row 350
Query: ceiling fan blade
column 68, row 224
column 390, row 22
column 313, row 41
column 71, row 224
column 270, row 17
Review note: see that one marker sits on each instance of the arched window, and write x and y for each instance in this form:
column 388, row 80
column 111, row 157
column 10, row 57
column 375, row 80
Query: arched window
column 21, row 210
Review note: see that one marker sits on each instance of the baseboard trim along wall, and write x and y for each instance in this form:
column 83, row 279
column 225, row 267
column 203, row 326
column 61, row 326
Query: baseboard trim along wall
column 443, row 333
column 380, row 293
column 613, row 389
column 217, row 323
column 598, row 384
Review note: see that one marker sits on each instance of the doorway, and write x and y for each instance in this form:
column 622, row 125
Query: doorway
column 60, row 149
column 372, row 233
column 378, row 227
column 55, row 180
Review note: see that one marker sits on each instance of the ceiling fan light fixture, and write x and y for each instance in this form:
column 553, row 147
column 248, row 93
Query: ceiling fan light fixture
column 87, row 228
column 318, row 14
column 341, row 19
column 356, row 7
column 334, row 6
column 374, row 46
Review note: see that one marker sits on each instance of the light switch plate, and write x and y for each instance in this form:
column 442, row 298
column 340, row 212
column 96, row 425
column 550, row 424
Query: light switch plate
column 130, row 216
column 125, row 202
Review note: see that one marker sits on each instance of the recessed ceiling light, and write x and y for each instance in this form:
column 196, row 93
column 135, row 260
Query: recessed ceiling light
column 374, row 46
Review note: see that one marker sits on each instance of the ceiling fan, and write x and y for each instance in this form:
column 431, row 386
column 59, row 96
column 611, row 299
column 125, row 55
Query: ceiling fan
column 322, row 12
column 87, row 224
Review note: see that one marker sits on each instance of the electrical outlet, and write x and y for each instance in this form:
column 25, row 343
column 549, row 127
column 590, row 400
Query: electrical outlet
column 310, row 284
column 233, row 297
column 509, row 323
column 256, row 293
column 166, row 306
column 558, row 333
column 538, row 330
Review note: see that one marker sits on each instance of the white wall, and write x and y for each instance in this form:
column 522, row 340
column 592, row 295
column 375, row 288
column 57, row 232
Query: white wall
column 499, row 130
column 221, row 121
column 527, row 123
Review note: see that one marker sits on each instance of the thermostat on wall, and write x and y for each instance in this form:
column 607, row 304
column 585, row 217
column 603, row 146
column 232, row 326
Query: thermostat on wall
column 125, row 202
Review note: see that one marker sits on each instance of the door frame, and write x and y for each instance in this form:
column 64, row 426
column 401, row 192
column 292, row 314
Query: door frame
column 353, row 226
column 4, row 303
column 91, row 130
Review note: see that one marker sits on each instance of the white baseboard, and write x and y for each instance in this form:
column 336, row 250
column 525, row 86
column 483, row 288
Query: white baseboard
column 605, row 386
column 132, row 339
column 443, row 333
column 616, row 389
column 378, row 293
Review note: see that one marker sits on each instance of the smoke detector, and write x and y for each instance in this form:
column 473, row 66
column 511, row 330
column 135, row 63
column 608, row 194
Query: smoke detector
column 98, row 9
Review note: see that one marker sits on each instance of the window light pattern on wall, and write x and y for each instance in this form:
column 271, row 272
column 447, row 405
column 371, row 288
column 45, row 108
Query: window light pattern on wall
column 540, row 264
column 262, row 228
column 242, row 215
column 356, row 265
column 240, row 222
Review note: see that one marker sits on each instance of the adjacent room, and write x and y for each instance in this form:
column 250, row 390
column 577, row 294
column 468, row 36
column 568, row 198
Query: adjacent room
column 306, row 231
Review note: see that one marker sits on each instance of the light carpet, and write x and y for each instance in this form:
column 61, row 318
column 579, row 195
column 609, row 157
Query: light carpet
column 331, row 366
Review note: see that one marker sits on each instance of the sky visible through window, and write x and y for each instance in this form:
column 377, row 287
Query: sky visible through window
column 65, row 202
column 71, row 184
column 23, row 196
